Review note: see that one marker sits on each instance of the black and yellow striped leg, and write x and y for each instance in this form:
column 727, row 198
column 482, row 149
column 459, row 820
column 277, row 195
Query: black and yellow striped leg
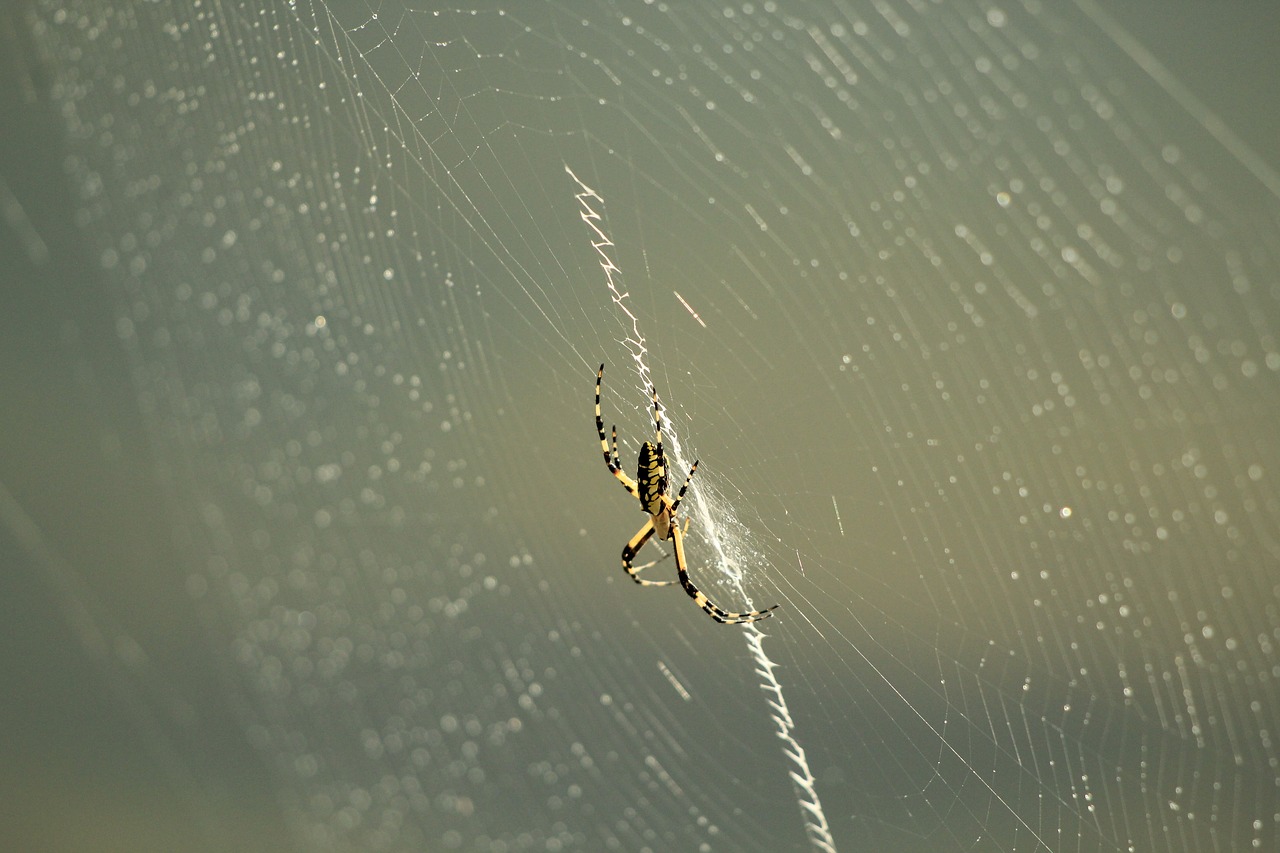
column 680, row 496
column 657, row 420
column 611, row 457
column 713, row 610
column 632, row 548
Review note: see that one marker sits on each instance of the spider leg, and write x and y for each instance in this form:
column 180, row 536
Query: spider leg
column 665, row 556
column 680, row 496
column 611, row 458
column 699, row 597
column 632, row 548
column 657, row 420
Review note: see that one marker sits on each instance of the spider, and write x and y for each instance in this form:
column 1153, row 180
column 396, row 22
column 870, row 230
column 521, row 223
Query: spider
column 651, row 491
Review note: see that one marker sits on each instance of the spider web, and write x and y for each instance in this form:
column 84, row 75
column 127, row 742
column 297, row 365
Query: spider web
column 968, row 311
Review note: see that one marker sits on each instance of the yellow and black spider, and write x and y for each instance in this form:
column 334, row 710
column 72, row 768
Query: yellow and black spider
column 651, row 491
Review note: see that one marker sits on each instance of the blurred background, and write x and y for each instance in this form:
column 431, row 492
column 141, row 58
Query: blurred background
column 968, row 311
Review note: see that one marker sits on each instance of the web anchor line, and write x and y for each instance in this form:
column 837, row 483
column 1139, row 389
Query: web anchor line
column 815, row 820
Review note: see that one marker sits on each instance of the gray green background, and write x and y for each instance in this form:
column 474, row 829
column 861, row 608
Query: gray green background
column 985, row 398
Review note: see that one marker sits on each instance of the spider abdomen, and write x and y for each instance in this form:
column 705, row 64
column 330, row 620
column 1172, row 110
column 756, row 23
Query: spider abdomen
column 652, row 476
